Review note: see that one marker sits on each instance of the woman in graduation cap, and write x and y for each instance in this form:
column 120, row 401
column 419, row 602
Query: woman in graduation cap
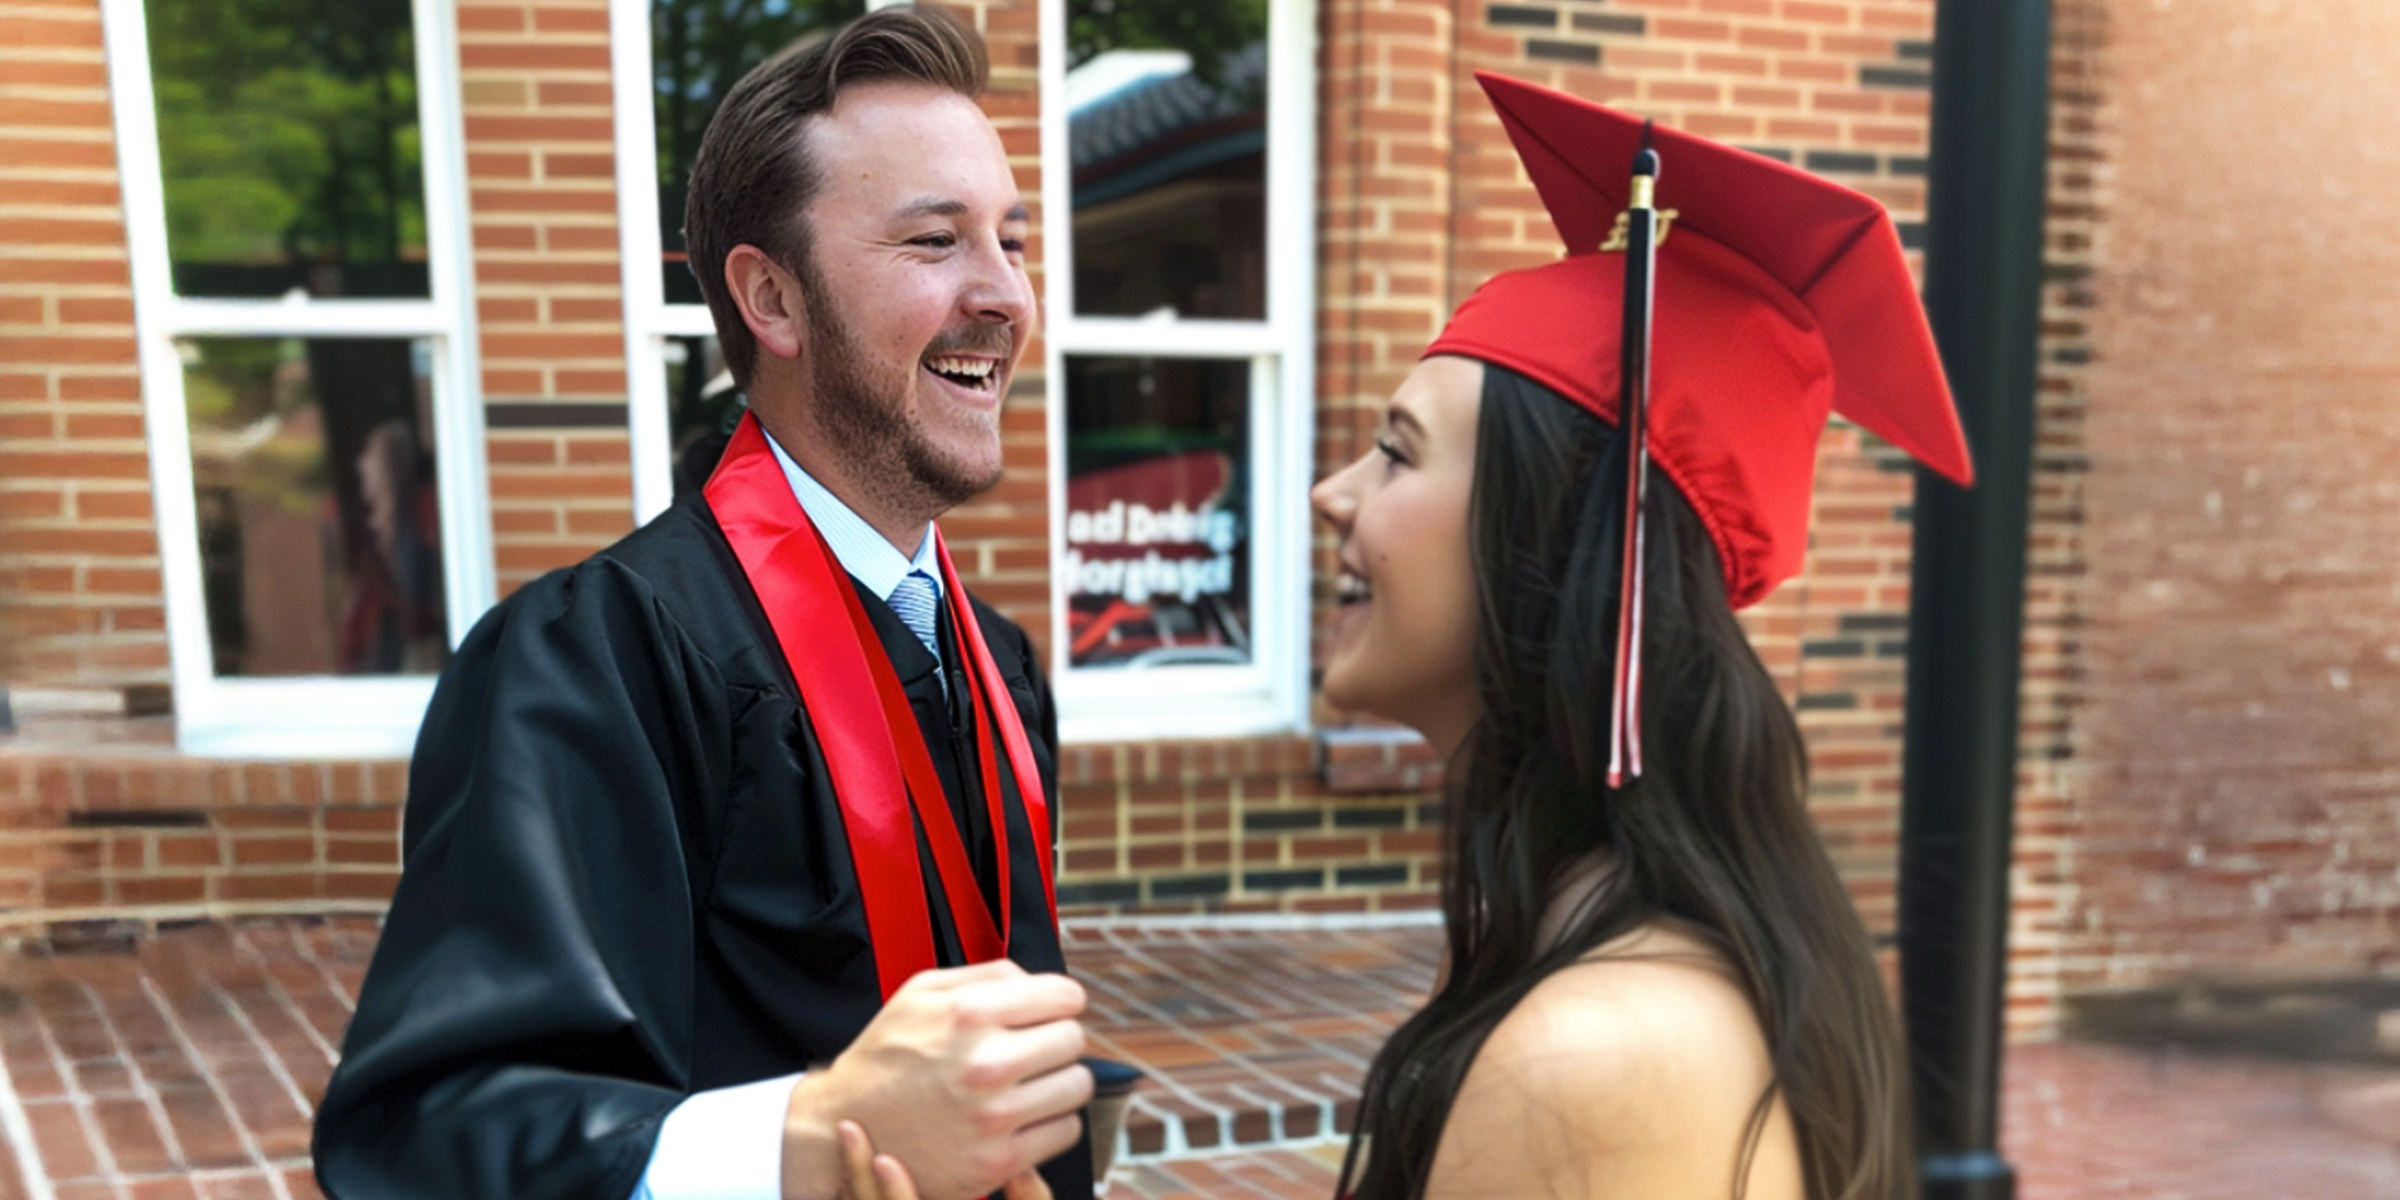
column 1656, row 983
column 1656, row 986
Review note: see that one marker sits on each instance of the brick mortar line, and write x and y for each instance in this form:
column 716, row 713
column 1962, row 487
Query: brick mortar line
column 143, row 1090
column 216, row 1087
column 19, row 1130
column 266, row 1050
column 290, row 1004
column 74, row 135
column 333, row 983
column 79, row 1102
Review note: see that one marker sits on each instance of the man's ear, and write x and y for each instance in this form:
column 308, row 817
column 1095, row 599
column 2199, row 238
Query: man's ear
column 770, row 300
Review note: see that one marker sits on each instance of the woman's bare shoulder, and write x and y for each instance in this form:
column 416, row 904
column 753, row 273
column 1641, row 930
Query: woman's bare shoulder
column 1632, row 1073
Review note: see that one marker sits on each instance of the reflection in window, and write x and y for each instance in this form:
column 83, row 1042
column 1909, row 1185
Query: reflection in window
column 320, row 527
column 289, row 143
column 1157, row 560
column 698, row 50
column 1167, row 128
column 703, row 406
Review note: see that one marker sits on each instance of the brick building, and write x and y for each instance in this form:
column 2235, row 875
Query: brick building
column 255, row 477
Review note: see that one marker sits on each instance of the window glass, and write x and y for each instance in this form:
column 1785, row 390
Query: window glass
column 320, row 524
column 289, row 144
column 703, row 406
column 1157, row 557
column 698, row 50
column 1167, row 129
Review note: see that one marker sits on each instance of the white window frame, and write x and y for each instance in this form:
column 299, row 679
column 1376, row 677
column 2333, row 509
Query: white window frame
column 308, row 716
column 1270, row 694
column 649, row 320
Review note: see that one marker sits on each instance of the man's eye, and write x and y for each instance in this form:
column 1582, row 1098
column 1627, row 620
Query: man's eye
column 1012, row 245
column 937, row 241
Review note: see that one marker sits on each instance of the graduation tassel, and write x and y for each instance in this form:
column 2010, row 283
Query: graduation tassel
column 1641, row 260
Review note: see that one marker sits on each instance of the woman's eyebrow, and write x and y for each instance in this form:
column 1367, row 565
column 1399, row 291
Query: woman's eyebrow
column 1396, row 416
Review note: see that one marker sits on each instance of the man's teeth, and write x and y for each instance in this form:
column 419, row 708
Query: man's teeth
column 1349, row 588
column 964, row 368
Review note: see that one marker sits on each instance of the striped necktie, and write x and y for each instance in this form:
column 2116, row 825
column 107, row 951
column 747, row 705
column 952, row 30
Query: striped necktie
column 920, row 606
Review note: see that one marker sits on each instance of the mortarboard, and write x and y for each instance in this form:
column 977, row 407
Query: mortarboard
column 1728, row 304
column 1780, row 298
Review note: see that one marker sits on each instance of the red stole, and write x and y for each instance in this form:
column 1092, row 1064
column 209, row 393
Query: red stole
column 882, row 772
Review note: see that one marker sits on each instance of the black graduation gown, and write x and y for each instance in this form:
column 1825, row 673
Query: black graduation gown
column 625, row 880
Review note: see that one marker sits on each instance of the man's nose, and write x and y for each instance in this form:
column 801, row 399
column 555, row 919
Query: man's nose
column 1001, row 291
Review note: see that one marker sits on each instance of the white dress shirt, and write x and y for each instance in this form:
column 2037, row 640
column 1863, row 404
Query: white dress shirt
column 727, row 1143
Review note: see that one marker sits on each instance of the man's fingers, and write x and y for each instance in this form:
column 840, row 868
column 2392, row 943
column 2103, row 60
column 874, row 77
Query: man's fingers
column 1047, row 1140
column 1025, row 1000
column 1028, row 1186
column 1020, row 1055
column 1046, row 1097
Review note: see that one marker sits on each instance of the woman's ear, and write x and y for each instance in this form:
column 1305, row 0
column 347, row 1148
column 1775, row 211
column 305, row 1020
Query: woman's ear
column 770, row 300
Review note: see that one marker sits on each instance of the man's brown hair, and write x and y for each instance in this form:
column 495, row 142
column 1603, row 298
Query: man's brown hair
column 755, row 175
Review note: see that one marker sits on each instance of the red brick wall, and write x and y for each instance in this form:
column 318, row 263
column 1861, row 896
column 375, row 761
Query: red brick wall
column 2044, row 884
column 156, row 836
column 541, row 174
column 2238, row 793
column 1237, row 827
column 79, row 584
column 1001, row 539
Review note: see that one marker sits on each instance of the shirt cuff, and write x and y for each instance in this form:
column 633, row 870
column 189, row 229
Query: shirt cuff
column 722, row 1144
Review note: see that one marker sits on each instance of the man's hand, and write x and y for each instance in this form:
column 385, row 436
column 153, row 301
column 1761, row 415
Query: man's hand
column 969, row 1076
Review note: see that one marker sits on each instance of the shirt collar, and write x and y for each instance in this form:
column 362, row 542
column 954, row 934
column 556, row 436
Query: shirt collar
column 867, row 555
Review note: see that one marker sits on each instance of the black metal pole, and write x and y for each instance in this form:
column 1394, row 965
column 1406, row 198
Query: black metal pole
column 1983, row 258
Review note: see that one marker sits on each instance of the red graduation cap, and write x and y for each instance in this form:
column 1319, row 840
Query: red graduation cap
column 1779, row 298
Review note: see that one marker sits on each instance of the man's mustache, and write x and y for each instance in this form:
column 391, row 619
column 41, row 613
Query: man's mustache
column 978, row 340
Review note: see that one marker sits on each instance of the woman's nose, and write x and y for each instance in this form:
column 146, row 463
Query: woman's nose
column 1333, row 503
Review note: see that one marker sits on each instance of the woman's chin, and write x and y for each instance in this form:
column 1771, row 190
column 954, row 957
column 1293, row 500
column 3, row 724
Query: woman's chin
column 1344, row 689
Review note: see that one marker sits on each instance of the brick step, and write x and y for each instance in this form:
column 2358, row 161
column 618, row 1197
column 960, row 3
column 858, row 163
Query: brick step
column 1173, row 1117
column 1250, row 1037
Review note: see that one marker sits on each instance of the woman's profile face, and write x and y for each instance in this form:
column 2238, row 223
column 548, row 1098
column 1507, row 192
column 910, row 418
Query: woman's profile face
column 1402, row 643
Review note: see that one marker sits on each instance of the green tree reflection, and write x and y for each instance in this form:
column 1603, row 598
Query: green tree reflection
column 288, row 135
column 1211, row 31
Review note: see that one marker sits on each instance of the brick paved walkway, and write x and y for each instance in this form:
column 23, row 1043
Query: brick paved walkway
column 188, row 1069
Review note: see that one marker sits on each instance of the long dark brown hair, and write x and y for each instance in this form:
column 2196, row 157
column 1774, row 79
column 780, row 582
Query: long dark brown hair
column 1714, row 836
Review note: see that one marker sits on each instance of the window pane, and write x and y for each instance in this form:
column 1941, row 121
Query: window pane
column 698, row 50
column 703, row 406
column 1167, row 128
column 320, row 523
column 1157, row 560
column 287, row 134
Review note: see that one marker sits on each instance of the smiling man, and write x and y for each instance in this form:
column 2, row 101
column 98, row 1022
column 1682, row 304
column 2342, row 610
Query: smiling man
column 741, row 827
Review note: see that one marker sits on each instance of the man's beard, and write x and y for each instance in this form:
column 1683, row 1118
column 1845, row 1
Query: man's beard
column 866, row 418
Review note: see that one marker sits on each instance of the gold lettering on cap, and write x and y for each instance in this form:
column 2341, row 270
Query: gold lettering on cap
column 1619, row 236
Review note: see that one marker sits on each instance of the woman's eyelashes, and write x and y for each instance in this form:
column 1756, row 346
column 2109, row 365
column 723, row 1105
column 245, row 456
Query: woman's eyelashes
column 1393, row 455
